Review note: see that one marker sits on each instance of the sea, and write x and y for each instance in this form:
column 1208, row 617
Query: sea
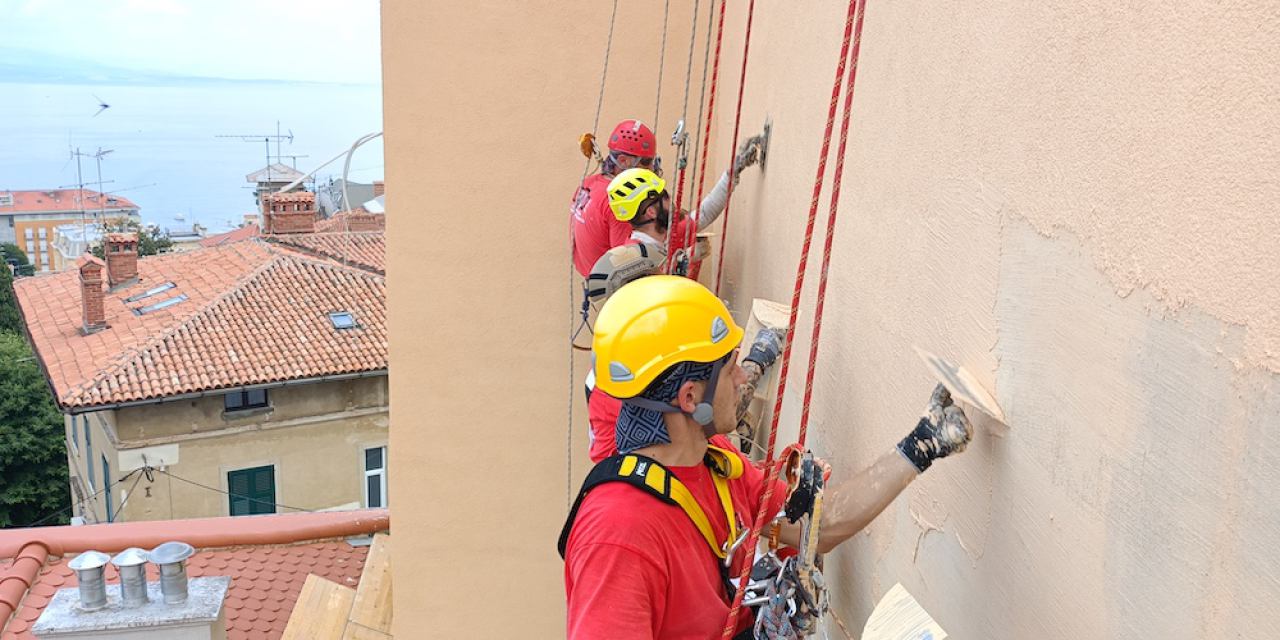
column 181, row 149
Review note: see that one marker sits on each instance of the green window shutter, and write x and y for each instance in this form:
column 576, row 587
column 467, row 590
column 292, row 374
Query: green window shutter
column 253, row 491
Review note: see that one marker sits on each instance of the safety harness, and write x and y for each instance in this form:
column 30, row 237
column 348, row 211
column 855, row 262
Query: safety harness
column 651, row 477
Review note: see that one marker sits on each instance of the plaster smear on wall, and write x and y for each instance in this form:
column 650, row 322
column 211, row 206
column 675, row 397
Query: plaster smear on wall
column 1131, row 496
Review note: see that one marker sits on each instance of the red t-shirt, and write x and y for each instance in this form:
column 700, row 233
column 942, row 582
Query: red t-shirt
column 636, row 568
column 602, row 411
column 595, row 229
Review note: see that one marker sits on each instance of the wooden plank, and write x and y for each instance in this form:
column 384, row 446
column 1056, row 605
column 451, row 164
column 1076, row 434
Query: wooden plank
column 765, row 314
column 372, row 606
column 962, row 385
column 321, row 611
column 357, row 632
column 900, row 617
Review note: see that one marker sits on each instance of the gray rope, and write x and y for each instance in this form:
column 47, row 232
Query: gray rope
column 702, row 103
column 662, row 61
column 573, row 317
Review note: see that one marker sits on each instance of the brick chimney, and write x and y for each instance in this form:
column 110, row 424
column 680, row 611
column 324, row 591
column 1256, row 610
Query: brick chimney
column 121, row 250
column 91, row 293
column 364, row 221
column 293, row 212
column 379, row 188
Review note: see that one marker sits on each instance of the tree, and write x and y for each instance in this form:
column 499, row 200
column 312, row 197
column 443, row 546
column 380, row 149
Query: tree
column 10, row 319
column 151, row 240
column 33, row 458
column 13, row 255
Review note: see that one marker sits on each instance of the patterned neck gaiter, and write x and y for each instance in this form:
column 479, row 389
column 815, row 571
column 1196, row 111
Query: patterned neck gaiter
column 639, row 427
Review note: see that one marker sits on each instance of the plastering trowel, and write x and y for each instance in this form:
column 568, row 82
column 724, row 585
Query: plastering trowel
column 962, row 385
column 899, row 617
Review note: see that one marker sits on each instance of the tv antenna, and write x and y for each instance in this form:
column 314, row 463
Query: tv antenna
column 266, row 139
column 102, row 200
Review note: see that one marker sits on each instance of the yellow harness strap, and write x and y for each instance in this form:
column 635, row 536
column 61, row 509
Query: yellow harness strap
column 648, row 475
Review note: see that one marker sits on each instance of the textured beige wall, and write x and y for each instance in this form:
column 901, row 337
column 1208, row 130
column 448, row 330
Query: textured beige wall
column 484, row 102
column 1075, row 200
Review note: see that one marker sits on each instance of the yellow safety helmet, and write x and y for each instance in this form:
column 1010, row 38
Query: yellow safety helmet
column 631, row 189
column 654, row 323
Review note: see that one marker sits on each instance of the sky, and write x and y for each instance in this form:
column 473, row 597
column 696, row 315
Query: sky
column 331, row 41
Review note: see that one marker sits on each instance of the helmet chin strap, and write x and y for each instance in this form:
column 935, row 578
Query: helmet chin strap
column 703, row 414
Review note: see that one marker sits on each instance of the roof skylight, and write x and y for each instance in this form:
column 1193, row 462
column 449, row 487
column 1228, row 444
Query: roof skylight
column 163, row 304
column 151, row 292
column 342, row 320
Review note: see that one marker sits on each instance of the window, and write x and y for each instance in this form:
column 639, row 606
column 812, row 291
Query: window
column 75, row 436
column 88, row 457
column 245, row 399
column 253, row 491
column 106, row 483
column 158, row 289
column 164, row 304
column 6, row 199
column 44, row 233
column 28, row 234
column 342, row 320
column 375, row 477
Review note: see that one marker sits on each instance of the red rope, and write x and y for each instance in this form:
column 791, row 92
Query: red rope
column 848, row 58
column 691, row 236
column 733, row 149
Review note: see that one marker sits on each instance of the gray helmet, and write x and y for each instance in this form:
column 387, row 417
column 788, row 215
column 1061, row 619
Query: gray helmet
column 623, row 264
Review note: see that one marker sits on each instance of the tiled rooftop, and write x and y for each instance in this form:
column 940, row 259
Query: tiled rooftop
column 337, row 222
column 255, row 313
column 366, row 250
column 44, row 200
column 246, row 232
column 265, row 578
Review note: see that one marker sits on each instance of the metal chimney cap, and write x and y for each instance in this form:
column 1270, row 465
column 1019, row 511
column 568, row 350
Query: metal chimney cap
column 130, row 557
column 89, row 561
column 171, row 552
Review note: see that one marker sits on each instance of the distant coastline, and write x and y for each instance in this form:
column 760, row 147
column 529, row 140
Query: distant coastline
column 20, row 66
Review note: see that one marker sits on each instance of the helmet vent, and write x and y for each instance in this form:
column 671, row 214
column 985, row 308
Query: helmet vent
column 619, row 372
column 719, row 330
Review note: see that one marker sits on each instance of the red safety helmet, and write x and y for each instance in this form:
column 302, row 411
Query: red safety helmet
column 635, row 138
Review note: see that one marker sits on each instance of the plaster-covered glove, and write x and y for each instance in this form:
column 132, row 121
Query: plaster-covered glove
column 764, row 351
column 942, row 431
column 748, row 154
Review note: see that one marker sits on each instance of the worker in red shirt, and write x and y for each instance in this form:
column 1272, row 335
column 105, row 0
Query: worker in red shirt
column 651, row 566
column 632, row 145
column 625, row 264
column 595, row 231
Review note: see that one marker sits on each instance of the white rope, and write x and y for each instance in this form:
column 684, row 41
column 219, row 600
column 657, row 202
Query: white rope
column 573, row 317
column 662, row 61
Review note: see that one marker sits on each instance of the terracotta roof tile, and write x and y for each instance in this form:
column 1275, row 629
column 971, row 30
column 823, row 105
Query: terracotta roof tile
column 246, row 232
column 255, row 313
column 53, row 200
column 366, row 250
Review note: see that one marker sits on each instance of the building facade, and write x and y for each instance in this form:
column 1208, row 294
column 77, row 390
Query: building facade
column 30, row 219
column 239, row 379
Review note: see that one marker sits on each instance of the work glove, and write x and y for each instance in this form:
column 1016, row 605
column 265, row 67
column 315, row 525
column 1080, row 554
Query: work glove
column 764, row 351
column 748, row 154
column 942, row 431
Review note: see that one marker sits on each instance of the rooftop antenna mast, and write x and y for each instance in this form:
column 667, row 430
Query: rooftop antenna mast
column 266, row 139
column 97, row 156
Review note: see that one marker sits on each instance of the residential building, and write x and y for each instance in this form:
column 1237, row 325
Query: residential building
column 70, row 241
column 271, row 179
column 1076, row 202
column 186, row 238
column 255, row 367
column 30, row 218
